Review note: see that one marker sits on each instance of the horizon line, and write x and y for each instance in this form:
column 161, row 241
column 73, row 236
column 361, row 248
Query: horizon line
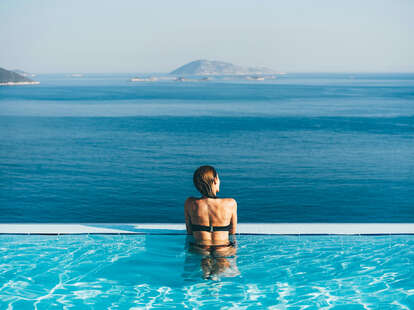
column 162, row 72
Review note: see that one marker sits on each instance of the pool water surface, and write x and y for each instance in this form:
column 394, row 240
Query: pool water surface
column 159, row 271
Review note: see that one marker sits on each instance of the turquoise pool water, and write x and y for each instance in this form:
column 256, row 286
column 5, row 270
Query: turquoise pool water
column 153, row 271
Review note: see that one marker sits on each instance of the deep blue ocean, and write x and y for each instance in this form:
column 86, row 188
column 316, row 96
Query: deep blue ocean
column 300, row 148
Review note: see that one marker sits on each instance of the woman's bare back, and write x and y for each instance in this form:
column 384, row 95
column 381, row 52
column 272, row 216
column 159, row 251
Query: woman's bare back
column 211, row 212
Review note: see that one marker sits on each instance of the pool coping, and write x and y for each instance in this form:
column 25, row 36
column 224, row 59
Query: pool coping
column 179, row 229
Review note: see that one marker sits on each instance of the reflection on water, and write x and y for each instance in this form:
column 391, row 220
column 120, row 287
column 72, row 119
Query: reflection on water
column 215, row 261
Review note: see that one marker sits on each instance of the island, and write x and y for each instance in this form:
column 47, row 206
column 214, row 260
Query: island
column 214, row 67
column 12, row 78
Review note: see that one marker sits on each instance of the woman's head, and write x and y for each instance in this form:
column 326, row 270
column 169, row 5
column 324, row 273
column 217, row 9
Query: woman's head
column 206, row 181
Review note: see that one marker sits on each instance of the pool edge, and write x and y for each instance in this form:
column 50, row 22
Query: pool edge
column 179, row 229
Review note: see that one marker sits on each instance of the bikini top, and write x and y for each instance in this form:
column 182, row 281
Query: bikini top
column 210, row 228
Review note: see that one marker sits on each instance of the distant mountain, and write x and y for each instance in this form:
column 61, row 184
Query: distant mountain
column 10, row 78
column 213, row 67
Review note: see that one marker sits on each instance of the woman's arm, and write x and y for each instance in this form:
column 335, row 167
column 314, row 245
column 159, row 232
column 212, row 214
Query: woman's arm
column 233, row 221
column 187, row 216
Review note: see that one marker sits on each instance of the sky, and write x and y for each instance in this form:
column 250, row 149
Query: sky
column 100, row 36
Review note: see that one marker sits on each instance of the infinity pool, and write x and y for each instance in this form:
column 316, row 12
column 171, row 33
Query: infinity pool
column 153, row 271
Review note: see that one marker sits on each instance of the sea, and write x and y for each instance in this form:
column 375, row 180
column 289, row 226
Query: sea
column 305, row 147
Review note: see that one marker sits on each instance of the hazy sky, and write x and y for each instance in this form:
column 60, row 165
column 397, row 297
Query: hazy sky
column 158, row 36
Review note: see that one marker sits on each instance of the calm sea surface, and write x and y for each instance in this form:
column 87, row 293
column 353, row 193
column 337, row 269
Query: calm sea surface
column 301, row 148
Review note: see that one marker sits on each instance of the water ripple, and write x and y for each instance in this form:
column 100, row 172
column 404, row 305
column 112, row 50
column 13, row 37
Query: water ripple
column 144, row 272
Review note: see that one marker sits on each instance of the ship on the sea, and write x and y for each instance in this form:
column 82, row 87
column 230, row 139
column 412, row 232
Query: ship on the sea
column 144, row 79
column 255, row 78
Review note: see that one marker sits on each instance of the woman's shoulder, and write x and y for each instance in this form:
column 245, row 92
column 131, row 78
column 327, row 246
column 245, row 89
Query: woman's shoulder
column 231, row 202
column 227, row 201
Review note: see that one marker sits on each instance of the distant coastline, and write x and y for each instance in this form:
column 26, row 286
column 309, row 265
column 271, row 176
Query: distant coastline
column 11, row 78
column 19, row 83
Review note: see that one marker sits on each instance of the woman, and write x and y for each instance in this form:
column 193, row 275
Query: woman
column 210, row 219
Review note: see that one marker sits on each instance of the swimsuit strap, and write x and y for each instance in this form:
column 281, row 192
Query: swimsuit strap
column 210, row 228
